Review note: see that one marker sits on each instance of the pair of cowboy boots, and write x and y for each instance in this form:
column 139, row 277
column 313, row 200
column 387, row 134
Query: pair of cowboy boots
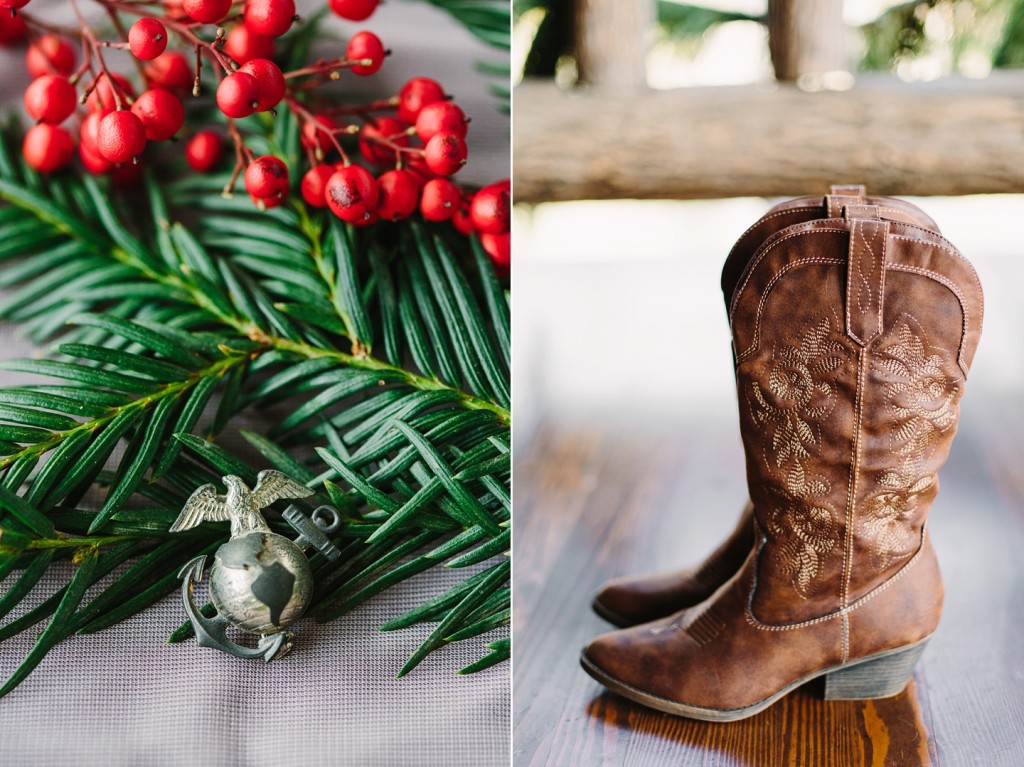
column 854, row 324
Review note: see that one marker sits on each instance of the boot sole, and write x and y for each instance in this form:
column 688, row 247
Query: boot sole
column 611, row 616
column 876, row 676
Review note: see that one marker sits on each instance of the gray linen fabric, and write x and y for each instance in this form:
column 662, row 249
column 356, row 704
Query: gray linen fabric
column 123, row 697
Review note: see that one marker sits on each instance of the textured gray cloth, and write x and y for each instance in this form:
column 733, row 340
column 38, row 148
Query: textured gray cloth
column 123, row 697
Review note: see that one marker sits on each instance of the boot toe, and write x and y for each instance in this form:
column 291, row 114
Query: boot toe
column 635, row 656
column 606, row 659
column 616, row 603
column 635, row 599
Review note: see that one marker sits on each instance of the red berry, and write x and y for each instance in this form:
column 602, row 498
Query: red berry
column 417, row 166
column 174, row 11
column 207, row 11
column 47, row 147
column 415, row 95
column 365, row 46
column 50, row 54
column 89, row 133
column 441, row 117
column 383, row 127
column 314, row 133
column 351, row 194
column 499, row 248
column 161, row 113
column 369, row 218
column 266, row 176
column 171, row 71
column 398, row 195
column 269, row 17
column 462, row 221
column 354, row 10
column 491, row 209
column 204, row 150
column 50, row 98
column 440, row 199
column 102, row 97
column 270, row 81
column 147, row 39
column 445, row 153
column 314, row 184
column 12, row 29
column 267, row 202
column 88, row 144
column 242, row 44
column 238, row 94
column 13, row 4
column 92, row 161
column 122, row 136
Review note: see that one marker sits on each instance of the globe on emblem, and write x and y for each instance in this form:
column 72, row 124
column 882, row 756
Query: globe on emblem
column 261, row 582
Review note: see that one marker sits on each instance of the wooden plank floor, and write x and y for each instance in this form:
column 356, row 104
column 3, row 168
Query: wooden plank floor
column 594, row 500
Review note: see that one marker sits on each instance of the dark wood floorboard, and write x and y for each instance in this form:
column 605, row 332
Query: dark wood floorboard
column 595, row 501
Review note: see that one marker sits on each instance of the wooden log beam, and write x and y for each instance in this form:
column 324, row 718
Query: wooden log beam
column 952, row 136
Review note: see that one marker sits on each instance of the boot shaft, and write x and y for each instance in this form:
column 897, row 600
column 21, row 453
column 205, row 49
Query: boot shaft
column 852, row 340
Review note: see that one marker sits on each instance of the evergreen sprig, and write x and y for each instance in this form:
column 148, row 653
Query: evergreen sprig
column 489, row 20
column 385, row 349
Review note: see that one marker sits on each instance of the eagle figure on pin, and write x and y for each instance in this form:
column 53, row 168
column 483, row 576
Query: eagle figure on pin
column 260, row 582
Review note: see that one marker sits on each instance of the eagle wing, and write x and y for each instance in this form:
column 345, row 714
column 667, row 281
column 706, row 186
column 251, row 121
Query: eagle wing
column 204, row 505
column 273, row 486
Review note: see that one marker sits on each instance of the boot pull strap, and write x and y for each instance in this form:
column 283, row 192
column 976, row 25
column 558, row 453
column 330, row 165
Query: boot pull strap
column 841, row 195
column 865, row 272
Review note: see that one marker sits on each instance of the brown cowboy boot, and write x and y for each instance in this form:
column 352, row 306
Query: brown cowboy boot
column 852, row 341
column 632, row 599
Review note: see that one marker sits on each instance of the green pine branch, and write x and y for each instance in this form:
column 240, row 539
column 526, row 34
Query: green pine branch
column 384, row 353
column 489, row 20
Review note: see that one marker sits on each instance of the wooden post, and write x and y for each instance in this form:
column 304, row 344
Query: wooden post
column 611, row 38
column 807, row 38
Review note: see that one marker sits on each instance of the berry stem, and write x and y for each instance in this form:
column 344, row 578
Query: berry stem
column 184, row 30
column 90, row 42
column 304, row 116
column 327, row 68
column 243, row 156
column 119, row 26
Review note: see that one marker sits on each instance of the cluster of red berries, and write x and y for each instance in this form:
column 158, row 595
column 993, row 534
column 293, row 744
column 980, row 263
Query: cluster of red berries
column 414, row 178
column 117, row 124
column 355, row 195
column 410, row 145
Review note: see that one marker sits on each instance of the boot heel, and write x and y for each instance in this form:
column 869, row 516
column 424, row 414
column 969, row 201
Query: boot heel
column 881, row 676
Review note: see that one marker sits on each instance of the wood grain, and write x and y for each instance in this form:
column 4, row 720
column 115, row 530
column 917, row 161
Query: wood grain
column 806, row 37
column 611, row 40
column 594, row 500
column 954, row 136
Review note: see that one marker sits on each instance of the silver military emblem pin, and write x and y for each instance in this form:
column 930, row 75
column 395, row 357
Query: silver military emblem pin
column 260, row 582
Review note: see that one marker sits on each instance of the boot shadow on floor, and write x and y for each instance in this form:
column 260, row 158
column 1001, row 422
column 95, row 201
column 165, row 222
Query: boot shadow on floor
column 888, row 731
